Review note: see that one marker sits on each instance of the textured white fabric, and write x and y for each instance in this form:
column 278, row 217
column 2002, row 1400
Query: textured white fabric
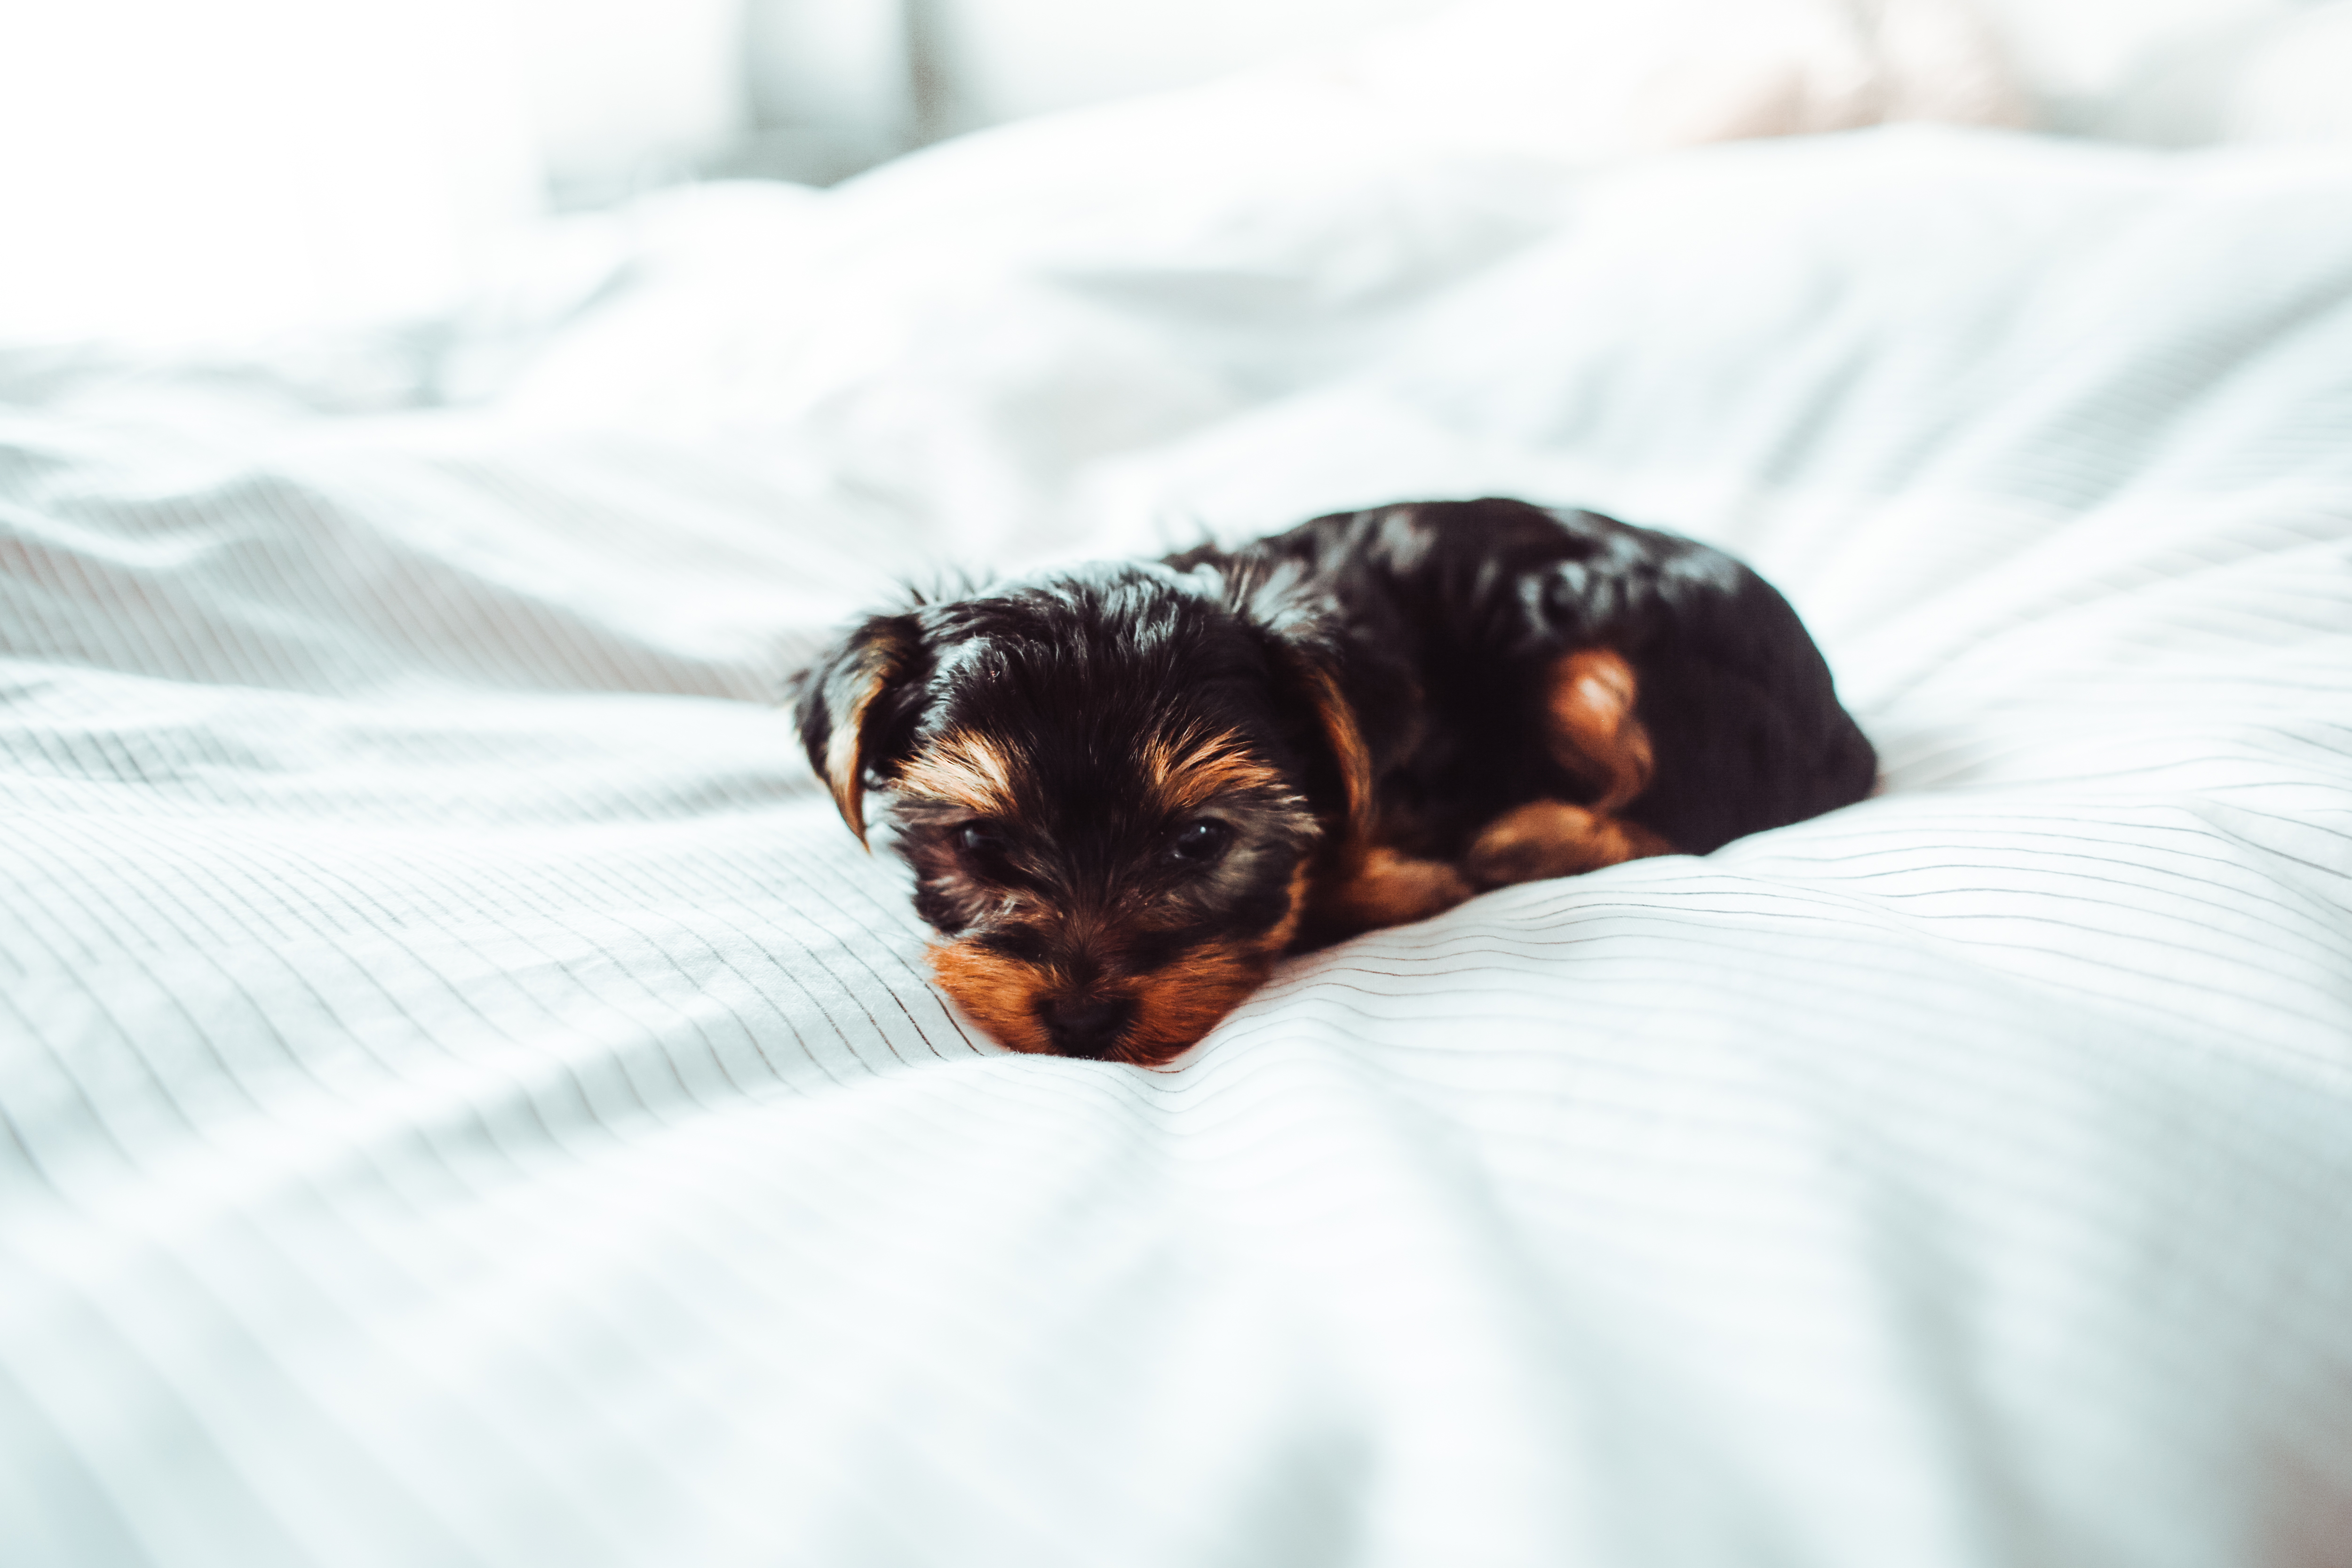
column 1592, row 78
column 468, row 1102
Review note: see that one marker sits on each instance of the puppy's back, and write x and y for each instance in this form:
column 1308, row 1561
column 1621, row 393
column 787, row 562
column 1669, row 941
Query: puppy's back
column 1454, row 612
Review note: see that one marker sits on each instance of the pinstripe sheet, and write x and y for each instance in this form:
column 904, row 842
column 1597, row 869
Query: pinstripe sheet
column 464, row 1100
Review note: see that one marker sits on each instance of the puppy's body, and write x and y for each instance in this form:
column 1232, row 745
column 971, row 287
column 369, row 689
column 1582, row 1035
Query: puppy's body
column 1127, row 792
column 1461, row 626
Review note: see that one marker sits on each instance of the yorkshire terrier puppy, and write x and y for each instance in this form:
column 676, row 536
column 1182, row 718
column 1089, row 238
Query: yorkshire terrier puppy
column 1127, row 791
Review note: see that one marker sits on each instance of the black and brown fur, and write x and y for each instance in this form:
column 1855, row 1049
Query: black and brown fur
column 1127, row 792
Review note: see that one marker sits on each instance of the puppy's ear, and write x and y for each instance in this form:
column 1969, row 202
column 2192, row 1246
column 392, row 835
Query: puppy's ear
column 841, row 700
column 1315, row 679
column 1296, row 626
column 1306, row 661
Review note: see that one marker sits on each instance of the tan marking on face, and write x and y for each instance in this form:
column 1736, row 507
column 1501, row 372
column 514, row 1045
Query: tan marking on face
column 962, row 769
column 1173, row 1008
column 1188, row 771
column 1548, row 838
column 999, row 994
column 1286, row 929
column 1594, row 732
column 1183, row 1001
column 1373, row 887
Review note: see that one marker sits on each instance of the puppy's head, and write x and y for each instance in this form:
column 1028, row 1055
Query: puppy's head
column 1110, row 787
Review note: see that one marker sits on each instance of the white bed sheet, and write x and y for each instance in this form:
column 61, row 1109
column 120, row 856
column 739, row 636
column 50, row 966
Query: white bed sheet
column 466, row 1101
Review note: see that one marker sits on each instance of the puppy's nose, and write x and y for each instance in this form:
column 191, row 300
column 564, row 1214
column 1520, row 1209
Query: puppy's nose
column 1086, row 1026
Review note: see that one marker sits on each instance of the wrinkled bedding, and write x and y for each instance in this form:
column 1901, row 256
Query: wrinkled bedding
column 464, row 1098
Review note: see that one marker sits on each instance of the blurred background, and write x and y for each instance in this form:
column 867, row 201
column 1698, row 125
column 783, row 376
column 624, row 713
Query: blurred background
column 179, row 171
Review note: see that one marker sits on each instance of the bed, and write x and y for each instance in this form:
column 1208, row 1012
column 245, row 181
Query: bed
column 465, row 1099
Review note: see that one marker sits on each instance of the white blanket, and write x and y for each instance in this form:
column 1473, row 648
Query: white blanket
column 465, row 1099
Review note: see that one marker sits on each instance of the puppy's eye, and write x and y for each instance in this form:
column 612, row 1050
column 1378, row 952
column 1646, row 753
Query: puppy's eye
column 1198, row 842
column 983, row 840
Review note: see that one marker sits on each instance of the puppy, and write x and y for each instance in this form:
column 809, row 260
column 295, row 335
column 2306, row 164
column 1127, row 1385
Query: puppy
column 1127, row 791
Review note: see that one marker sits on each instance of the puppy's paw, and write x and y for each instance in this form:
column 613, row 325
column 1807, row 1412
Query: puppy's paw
column 1548, row 838
column 1381, row 887
column 1594, row 733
